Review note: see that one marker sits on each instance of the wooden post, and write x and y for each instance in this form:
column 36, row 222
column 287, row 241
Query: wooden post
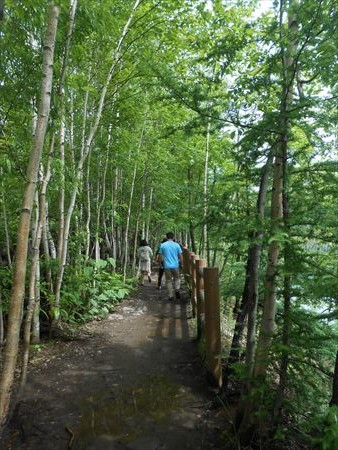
column 193, row 258
column 200, row 264
column 212, row 324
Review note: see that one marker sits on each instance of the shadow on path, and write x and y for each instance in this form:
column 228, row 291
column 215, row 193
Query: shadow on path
column 135, row 381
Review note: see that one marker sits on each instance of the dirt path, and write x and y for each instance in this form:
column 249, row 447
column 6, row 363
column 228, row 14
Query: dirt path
column 133, row 381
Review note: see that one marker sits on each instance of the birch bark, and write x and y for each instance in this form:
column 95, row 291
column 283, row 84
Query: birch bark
column 280, row 158
column 250, row 422
column 126, row 233
column 34, row 271
column 18, row 287
column 250, row 292
column 54, row 310
column 149, row 213
column 102, row 200
column 87, row 149
column 205, row 250
column 89, row 210
column 4, row 215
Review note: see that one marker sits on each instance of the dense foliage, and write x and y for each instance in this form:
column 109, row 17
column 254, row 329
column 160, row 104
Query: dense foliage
column 167, row 116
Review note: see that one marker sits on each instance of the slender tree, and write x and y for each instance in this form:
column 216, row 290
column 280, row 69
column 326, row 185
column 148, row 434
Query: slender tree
column 18, row 288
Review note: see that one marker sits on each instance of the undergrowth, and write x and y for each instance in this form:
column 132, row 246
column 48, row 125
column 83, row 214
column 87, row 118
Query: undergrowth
column 92, row 291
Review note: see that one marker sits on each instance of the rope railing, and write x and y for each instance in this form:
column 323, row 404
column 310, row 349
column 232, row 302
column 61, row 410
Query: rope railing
column 203, row 284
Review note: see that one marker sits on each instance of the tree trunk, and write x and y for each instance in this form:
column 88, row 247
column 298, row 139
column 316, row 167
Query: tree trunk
column 51, row 243
column 114, row 188
column 250, row 422
column 46, row 249
column 250, row 292
column 87, row 149
column 269, row 310
column 136, row 244
column 192, row 237
column 283, row 370
column 97, row 248
column 205, row 250
column 35, row 328
column 126, row 232
column 89, row 211
column 253, row 278
column 334, row 398
column 4, row 213
column 18, row 287
column 2, row 334
column 54, row 308
column 149, row 213
column 270, row 287
column 101, row 202
column 143, row 207
column 33, row 303
column 280, row 395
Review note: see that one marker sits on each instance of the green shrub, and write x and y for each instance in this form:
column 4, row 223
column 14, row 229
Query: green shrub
column 92, row 291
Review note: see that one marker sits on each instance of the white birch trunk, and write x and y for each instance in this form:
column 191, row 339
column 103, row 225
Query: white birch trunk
column 101, row 202
column 18, row 287
column 83, row 140
column 270, row 288
column 61, row 203
column 88, row 220
column 96, row 231
column 87, row 149
column 34, row 288
column 205, row 252
column 46, row 250
column 149, row 213
column 136, row 244
column 4, row 214
column 51, row 243
column 143, row 219
column 35, row 328
column 114, row 189
column 126, row 233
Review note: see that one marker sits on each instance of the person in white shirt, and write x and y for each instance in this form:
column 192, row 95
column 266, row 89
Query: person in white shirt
column 145, row 255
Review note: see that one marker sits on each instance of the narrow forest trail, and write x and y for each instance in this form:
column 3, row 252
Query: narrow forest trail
column 132, row 381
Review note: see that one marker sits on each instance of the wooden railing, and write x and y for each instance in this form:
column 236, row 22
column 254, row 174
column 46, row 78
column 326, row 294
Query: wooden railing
column 203, row 284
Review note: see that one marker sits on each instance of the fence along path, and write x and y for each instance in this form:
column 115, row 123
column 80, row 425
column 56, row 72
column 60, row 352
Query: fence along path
column 203, row 284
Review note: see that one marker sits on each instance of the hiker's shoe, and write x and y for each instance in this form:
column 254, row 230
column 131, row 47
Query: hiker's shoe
column 178, row 295
column 159, row 288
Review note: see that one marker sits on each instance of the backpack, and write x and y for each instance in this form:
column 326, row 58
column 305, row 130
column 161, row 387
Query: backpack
column 144, row 255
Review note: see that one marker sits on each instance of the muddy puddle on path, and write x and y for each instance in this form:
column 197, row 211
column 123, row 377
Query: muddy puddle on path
column 127, row 415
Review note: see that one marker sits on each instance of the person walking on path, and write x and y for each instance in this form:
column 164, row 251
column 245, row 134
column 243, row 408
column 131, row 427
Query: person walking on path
column 145, row 254
column 170, row 253
column 161, row 267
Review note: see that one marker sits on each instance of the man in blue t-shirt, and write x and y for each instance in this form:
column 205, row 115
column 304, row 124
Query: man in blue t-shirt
column 170, row 253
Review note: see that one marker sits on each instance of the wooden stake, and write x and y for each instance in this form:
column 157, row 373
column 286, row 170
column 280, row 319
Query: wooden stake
column 212, row 324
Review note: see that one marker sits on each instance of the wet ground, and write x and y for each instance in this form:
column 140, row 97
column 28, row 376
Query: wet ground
column 134, row 381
